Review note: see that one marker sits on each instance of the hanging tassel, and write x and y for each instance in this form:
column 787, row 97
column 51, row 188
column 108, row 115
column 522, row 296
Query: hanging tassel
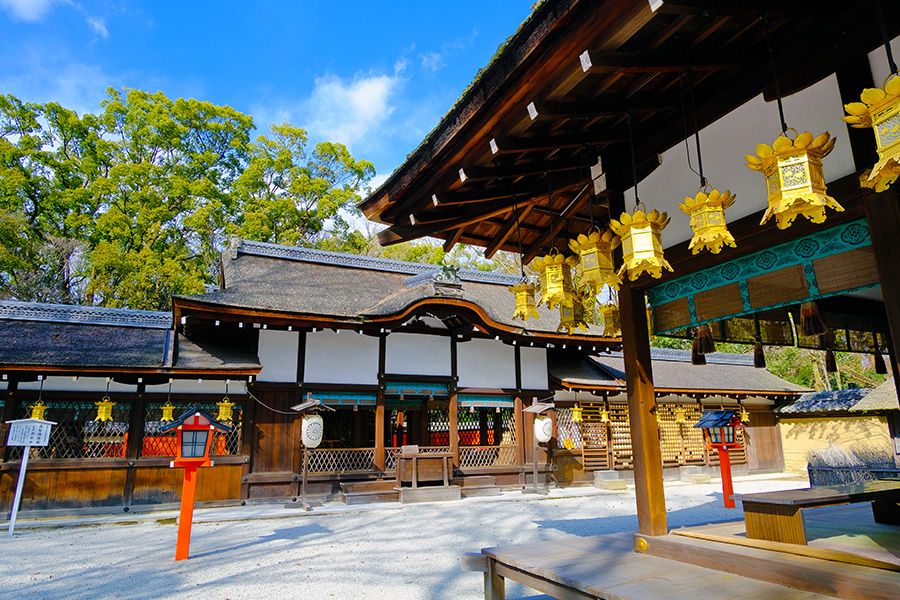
column 880, row 367
column 759, row 356
column 811, row 322
column 704, row 340
column 830, row 361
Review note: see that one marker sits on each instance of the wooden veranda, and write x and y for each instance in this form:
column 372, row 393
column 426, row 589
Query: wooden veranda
column 538, row 150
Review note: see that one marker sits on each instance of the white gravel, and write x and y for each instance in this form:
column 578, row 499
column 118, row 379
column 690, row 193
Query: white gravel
column 409, row 552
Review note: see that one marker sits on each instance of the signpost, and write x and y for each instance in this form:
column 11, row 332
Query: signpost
column 30, row 433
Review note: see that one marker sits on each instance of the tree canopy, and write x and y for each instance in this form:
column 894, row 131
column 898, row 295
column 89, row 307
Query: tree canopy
column 133, row 204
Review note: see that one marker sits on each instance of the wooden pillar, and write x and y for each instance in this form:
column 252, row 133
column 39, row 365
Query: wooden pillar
column 648, row 475
column 357, row 427
column 498, row 427
column 379, row 406
column 520, row 429
column 135, row 442
column 8, row 413
column 883, row 214
column 453, row 433
column 247, row 440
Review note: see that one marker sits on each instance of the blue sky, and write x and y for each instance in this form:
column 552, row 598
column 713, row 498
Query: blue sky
column 374, row 75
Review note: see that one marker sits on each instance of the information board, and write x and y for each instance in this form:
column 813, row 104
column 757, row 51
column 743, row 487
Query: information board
column 29, row 432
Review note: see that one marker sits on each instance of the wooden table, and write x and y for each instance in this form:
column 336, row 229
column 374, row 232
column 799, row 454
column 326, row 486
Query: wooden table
column 777, row 516
column 416, row 468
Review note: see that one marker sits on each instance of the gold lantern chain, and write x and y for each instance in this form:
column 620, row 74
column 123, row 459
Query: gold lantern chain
column 707, row 207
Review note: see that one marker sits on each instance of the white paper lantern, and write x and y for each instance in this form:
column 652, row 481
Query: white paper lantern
column 311, row 430
column 543, row 429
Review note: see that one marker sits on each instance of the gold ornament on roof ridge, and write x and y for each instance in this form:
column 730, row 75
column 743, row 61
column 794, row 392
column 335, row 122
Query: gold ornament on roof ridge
column 795, row 179
column 642, row 249
column 879, row 109
column 707, row 212
column 595, row 266
column 556, row 278
column 526, row 306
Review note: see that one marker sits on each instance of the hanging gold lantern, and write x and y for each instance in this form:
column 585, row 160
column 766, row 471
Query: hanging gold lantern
column 680, row 416
column 556, row 279
column 659, row 419
column 745, row 415
column 571, row 315
column 526, row 307
column 642, row 250
column 795, row 180
column 226, row 412
column 104, row 409
column 576, row 413
column 595, row 267
column 168, row 410
column 37, row 410
column 707, row 212
column 604, row 416
column 880, row 109
column 612, row 322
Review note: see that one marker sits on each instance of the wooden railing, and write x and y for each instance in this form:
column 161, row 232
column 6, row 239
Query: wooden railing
column 341, row 460
column 391, row 453
column 488, row 456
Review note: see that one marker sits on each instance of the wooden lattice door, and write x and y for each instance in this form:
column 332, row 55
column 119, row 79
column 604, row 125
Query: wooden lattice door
column 595, row 437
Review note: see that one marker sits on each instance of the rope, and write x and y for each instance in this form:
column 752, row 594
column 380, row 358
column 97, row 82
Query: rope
column 637, row 200
column 887, row 42
column 264, row 405
column 687, row 146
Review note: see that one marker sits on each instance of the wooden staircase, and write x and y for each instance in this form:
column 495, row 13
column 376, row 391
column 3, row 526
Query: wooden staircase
column 594, row 438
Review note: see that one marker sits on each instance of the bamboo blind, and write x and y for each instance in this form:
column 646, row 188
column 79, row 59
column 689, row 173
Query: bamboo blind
column 718, row 302
column 778, row 287
column 845, row 271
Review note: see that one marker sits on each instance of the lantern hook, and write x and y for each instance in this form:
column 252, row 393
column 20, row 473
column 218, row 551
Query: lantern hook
column 765, row 22
column 892, row 65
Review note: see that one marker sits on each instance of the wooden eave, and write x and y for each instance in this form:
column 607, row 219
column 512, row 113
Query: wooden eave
column 555, row 98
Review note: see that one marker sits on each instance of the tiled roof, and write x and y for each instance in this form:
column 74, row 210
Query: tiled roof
column 85, row 315
column 372, row 263
column 827, row 401
column 883, row 397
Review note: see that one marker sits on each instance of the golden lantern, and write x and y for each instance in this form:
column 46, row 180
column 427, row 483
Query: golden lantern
column 595, row 267
column 707, row 212
column 659, row 419
column 795, row 181
column 37, row 410
column 556, row 279
column 680, row 416
column 612, row 322
column 526, row 307
column 745, row 415
column 604, row 415
column 104, row 409
column 168, row 410
column 571, row 315
column 226, row 412
column 642, row 243
column 576, row 413
column 568, row 444
column 880, row 109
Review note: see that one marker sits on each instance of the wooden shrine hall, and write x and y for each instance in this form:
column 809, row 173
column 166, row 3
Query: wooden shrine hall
column 719, row 171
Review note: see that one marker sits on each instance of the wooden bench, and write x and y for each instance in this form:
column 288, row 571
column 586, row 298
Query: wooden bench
column 777, row 516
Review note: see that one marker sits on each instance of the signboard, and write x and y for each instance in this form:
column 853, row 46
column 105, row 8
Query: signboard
column 29, row 432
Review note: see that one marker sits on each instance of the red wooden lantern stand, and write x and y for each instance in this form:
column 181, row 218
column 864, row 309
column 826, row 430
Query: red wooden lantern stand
column 195, row 431
column 719, row 431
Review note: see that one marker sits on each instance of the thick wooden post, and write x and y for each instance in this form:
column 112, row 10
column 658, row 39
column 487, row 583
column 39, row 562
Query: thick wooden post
column 648, row 479
column 135, row 442
column 883, row 213
column 482, row 428
column 454, row 426
column 379, row 434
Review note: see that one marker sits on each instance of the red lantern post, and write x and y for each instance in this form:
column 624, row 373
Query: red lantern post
column 719, row 431
column 195, row 430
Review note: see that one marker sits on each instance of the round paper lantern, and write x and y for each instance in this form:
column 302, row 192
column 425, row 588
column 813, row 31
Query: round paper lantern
column 312, row 430
column 543, row 429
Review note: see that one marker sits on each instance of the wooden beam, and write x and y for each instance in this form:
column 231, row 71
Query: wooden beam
column 512, row 145
column 598, row 61
column 513, row 171
column 453, row 239
column 591, row 109
column 574, row 205
column 741, row 8
column 508, row 229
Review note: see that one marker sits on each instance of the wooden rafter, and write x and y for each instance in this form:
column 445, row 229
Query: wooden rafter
column 507, row 230
column 512, row 145
column 598, row 61
column 592, row 109
column 574, row 206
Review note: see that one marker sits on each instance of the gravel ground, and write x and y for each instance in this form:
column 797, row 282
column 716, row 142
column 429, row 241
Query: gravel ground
column 408, row 552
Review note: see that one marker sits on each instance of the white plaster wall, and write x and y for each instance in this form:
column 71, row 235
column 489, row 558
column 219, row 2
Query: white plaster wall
column 200, row 386
column 417, row 354
column 487, row 364
column 878, row 62
column 534, row 368
column 278, row 355
column 341, row 358
column 56, row 383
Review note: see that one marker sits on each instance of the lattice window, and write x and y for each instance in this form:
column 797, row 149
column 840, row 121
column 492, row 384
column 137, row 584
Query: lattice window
column 567, row 429
column 439, row 425
column 163, row 444
column 469, row 426
column 669, row 435
column 488, row 456
column 621, row 436
column 341, row 460
column 76, row 433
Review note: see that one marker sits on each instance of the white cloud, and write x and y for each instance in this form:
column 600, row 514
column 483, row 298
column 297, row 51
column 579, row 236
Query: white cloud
column 98, row 26
column 432, row 61
column 28, row 10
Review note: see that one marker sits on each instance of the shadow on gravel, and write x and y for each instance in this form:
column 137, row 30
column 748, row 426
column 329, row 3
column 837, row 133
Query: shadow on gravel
column 287, row 533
